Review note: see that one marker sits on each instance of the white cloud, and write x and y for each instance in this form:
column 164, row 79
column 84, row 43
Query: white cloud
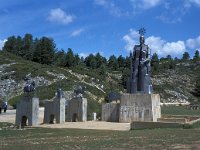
column 193, row 43
column 144, row 4
column 2, row 42
column 84, row 55
column 163, row 48
column 173, row 48
column 110, row 6
column 174, row 12
column 197, row 2
column 131, row 39
column 77, row 32
column 156, row 44
column 59, row 16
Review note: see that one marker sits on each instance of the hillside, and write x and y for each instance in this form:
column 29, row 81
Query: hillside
column 48, row 78
column 177, row 85
column 174, row 85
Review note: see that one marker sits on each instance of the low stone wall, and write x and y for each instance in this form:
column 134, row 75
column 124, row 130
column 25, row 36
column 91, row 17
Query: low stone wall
column 152, row 125
column 193, row 107
column 110, row 112
column 174, row 120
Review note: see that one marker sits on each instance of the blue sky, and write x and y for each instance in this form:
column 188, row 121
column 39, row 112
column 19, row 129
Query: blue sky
column 106, row 26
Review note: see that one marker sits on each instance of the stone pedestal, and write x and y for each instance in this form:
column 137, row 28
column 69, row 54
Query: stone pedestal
column 139, row 107
column 27, row 110
column 76, row 110
column 54, row 110
column 110, row 112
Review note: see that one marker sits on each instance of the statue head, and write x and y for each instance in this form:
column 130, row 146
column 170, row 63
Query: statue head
column 142, row 31
column 142, row 40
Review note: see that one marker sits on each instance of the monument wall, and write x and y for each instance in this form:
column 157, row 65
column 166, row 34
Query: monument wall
column 54, row 110
column 139, row 107
column 110, row 112
column 76, row 109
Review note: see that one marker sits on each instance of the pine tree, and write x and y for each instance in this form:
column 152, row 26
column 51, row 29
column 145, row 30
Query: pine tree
column 112, row 62
column 10, row 45
column 91, row 61
column 186, row 56
column 77, row 59
column 99, row 60
column 60, row 58
column 121, row 61
column 69, row 58
column 196, row 56
column 28, row 47
column 44, row 51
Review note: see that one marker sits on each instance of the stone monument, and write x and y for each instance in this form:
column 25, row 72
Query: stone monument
column 76, row 109
column 110, row 110
column 28, row 108
column 139, row 104
column 55, row 109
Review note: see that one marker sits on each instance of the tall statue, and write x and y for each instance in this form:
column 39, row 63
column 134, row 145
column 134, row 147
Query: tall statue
column 139, row 80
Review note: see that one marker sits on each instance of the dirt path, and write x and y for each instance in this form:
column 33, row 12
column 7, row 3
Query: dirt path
column 9, row 116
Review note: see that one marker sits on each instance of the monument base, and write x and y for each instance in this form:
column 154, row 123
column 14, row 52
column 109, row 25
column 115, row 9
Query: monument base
column 76, row 110
column 27, row 111
column 139, row 107
column 54, row 110
column 110, row 112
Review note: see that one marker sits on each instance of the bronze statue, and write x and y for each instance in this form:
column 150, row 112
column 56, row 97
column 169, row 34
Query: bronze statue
column 139, row 80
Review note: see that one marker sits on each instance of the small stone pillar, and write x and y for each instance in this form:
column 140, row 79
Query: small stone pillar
column 77, row 110
column 55, row 110
column 27, row 110
column 94, row 116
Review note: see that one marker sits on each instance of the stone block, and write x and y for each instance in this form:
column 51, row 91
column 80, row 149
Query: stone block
column 27, row 110
column 76, row 110
column 110, row 112
column 54, row 110
column 139, row 107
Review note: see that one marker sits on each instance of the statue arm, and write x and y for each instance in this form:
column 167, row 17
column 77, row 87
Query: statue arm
column 148, row 59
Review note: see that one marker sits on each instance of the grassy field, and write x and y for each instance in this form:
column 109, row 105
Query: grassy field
column 178, row 110
column 38, row 138
column 156, row 139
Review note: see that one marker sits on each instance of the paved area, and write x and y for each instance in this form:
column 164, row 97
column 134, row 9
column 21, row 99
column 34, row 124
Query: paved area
column 9, row 116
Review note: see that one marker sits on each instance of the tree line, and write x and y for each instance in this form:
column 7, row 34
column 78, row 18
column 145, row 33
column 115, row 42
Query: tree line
column 43, row 50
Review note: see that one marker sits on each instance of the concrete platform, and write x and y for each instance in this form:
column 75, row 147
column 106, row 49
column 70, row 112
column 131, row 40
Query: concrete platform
column 9, row 116
column 95, row 125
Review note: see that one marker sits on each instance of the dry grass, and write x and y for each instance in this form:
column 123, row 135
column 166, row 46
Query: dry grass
column 44, row 138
